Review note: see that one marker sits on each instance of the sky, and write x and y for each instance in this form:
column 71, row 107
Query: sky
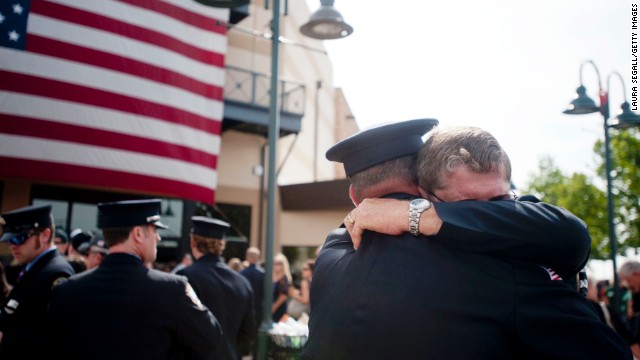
column 509, row 67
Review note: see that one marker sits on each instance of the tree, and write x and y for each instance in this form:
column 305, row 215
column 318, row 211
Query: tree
column 578, row 195
column 625, row 174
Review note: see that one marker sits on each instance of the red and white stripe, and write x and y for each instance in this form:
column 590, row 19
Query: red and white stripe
column 552, row 274
column 122, row 94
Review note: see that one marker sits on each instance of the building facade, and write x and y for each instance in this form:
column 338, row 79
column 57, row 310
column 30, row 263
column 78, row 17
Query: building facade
column 312, row 193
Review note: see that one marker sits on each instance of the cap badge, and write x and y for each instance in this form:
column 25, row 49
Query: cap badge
column 153, row 218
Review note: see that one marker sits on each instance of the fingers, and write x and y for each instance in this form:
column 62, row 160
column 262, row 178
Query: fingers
column 349, row 219
column 356, row 236
column 354, row 231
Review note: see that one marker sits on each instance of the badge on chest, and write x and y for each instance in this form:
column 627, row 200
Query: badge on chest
column 11, row 307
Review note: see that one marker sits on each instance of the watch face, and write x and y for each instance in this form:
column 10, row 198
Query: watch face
column 420, row 204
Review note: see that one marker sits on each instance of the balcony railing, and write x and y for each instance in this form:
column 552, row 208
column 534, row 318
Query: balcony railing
column 246, row 97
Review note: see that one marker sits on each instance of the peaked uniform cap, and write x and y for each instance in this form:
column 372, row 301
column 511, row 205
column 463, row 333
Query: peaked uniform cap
column 129, row 213
column 98, row 244
column 20, row 220
column 62, row 235
column 209, row 227
column 79, row 238
column 380, row 143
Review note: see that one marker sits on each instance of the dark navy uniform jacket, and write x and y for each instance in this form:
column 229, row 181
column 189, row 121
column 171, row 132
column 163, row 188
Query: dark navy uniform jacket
column 22, row 317
column 123, row 310
column 406, row 297
column 229, row 297
column 255, row 275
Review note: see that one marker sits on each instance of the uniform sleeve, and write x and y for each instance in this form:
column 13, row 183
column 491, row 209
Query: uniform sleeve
column 199, row 331
column 517, row 230
column 337, row 244
column 249, row 321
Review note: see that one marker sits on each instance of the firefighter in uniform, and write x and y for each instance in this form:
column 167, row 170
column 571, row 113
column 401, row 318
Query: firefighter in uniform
column 29, row 231
column 141, row 313
column 224, row 291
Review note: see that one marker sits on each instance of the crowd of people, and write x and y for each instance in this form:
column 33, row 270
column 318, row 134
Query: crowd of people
column 203, row 307
column 439, row 259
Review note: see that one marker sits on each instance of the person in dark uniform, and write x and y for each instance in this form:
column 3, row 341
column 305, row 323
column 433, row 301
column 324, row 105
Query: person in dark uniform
column 61, row 241
column 406, row 297
column 29, row 232
column 225, row 292
column 142, row 313
column 77, row 240
column 255, row 274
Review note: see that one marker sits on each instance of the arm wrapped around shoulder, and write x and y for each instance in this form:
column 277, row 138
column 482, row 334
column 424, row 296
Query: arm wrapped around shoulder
column 533, row 232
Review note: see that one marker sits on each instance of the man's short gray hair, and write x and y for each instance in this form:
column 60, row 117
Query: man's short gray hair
column 628, row 268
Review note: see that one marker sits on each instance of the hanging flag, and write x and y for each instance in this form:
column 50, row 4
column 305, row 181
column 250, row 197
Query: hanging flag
column 123, row 94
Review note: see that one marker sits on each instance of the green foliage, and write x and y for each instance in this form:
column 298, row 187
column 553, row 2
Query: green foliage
column 578, row 194
column 625, row 174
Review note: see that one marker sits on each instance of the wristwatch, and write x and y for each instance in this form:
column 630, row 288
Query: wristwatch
column 416, row 207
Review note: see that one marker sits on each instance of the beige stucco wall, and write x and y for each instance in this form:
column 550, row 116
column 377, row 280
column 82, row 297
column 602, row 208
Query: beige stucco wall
column 297, row 154
column 308, row 228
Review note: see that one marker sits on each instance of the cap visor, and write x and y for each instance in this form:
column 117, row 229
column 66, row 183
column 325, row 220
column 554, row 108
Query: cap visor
column 99, row 249
column 7, row 235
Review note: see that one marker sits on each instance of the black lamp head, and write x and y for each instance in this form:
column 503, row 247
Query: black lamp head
column 326, row 23
column 626, row 119
column 582, row 104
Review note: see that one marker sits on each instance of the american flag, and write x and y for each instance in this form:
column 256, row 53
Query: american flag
column 119, row 94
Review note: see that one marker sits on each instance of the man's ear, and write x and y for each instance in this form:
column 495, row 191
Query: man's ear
column 44, row 238
column 138, row 233
column 46, row 234
column 423, row 193
column 352, row 195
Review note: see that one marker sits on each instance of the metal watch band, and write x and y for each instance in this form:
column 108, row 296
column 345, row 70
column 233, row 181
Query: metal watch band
column 414, row 222
column 416, row 207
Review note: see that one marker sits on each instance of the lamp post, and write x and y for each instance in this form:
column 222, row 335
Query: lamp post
column 324, row 24
column 583, row 104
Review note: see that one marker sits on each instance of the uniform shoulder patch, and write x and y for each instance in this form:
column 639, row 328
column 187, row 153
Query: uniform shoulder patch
column 59, row 281
column 191, row 294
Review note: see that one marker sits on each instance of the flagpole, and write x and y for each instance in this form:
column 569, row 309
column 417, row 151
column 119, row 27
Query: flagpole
column 274, row 130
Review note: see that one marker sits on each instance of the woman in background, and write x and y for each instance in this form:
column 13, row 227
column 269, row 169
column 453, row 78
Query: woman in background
column 281, row 281
column 299, row 302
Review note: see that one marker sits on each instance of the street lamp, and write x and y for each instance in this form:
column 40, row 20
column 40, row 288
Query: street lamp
column 583, row 104
column 325, row 21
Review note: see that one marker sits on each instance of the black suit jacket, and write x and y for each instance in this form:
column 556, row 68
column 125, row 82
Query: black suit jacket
column 255, row 275
column 22, row 318
column 123, row 310
column 531, row 232
column 405, row 297
column 229, row 297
